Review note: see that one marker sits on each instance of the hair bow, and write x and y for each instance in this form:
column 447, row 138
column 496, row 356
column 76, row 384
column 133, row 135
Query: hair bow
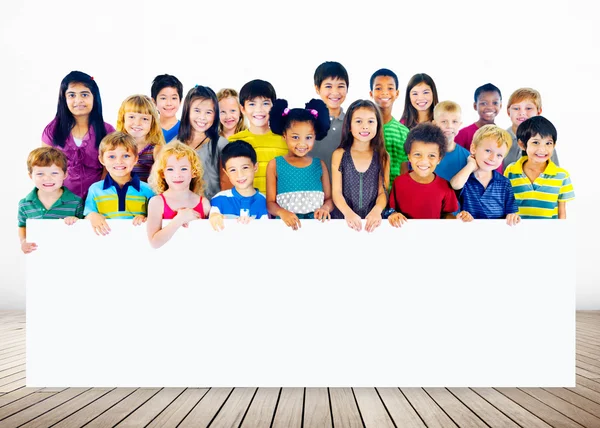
column 286, row 111
column 314, row 113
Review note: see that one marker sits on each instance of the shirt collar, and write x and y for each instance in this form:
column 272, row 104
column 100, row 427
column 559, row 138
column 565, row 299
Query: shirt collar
column 134, row 182
column 551, row 168
column 340, row 117
column 66, row 195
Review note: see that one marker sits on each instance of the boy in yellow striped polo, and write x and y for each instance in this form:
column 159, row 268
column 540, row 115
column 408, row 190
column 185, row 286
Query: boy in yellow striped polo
column 121, row 194
column 541, row 187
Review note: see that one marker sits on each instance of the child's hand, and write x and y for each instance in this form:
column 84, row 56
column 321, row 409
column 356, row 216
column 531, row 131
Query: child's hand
column 290, row 219
column 322, row 214
column 354, row 221
column 216, row 221
column 373, row 221
column 397, row 219
column 70, row 220
column 28, row 247
column 513, row 219
column 464, row 216
column 185, row 215
column 471, row 162
column 244, row 219
column 99, row 224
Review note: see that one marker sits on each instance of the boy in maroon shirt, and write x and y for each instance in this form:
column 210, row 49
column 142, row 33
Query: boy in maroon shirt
column 421, row 194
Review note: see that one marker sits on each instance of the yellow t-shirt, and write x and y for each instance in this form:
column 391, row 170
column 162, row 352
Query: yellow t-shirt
column 268, row 146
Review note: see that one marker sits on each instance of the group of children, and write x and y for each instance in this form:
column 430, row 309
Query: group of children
column 247, row 155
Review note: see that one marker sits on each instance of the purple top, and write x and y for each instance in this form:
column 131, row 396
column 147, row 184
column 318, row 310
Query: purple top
column 83, row 168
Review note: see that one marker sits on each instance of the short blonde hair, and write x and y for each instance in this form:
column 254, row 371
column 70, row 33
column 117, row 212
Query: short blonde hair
column 226, row 93
column 142, row 104
column 46, row 156
column 446, row 107
column 117, row 139
column 178, row 149
column 492, row 131
column 523, row 94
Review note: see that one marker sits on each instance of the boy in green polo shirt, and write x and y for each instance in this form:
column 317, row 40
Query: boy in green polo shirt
column 47, row 168
column 384, row 91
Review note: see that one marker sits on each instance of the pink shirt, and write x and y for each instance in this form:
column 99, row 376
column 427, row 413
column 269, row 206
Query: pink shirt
column 465, row 136
column 84, row 168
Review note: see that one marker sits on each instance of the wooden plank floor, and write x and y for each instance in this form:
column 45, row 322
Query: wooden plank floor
column 299, row 407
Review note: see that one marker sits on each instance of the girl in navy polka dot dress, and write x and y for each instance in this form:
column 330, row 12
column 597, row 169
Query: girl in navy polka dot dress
column 360, row 168
column 297, row 184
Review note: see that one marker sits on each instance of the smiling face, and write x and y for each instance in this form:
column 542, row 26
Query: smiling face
column 202, row 115
column 539, row 149
column 488, row 106
column 80, row 100
column 521, row 111
column 118, row 161
column 421, row 97
column 48, row 179
column 257, row 111
column 300, row 138
column 488, row 155
column 363, row 125
column 229, row 113
column 333, row 92
column 167, row 102
column 384, row 91
column 178, row 172
column 241, row 171
column 137, row 124
column 423, row 157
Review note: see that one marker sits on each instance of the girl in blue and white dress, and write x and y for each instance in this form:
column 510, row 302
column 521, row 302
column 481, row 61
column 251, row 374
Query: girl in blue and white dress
column 298, row 185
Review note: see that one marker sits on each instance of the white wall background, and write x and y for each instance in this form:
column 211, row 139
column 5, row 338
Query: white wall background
column 551, row 46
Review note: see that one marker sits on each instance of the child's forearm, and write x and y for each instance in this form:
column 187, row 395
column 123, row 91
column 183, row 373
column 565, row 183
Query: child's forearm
column 328, row 205
column 340, row 202
column 458, row 181
column 163, row 236
column 274, row 209
column 22, row 234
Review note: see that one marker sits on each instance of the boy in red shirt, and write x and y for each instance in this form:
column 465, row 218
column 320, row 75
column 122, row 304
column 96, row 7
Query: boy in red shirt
column 421, row 194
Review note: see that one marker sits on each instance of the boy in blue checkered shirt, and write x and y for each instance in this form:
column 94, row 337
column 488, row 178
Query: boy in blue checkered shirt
column 484, row 192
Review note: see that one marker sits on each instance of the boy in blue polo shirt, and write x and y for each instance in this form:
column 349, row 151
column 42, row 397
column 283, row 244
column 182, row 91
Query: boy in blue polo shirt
column 487, row 194
column 47, row 168
column 121, row 194
column 243, row 201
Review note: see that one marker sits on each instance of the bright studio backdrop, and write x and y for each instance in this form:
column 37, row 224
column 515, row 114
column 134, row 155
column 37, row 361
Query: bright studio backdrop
column 550, row 46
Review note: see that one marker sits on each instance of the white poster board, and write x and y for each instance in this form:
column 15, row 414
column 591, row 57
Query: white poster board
column 435, row 303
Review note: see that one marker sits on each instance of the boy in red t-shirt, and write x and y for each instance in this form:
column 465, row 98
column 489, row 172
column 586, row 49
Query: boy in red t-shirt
column 421, row 194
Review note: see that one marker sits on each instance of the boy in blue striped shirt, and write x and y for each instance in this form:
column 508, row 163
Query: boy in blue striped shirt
column 47, row 168
column 487, row 194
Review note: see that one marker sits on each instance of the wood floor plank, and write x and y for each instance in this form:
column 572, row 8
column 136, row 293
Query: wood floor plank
column 590, row 404
column 67, row 409
column 178, row 409
column 487, row 412
column 344, row 409
column 20, row 383
column 541, row 410
column 12, row 343
column 454, row 408
column 17, row 405
column 317, row 409
column 7, row 380
column 12, row 370
column 289, row 408
column 578, row 370
column 236, row 406
column 41, row 407
column 9, row 397
column 11, row 362
column 262, row 409
column 18, row 351
column 12, row 350
column 583, row 352
column 144, row 414
column 594, row 385
column 123, row 408
column 207, row 408
column 374, row 413
column 91, row 411
column 566, row 407
column 401, row 411
column 591, row 361
column 427, row 409
column 513, row 410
